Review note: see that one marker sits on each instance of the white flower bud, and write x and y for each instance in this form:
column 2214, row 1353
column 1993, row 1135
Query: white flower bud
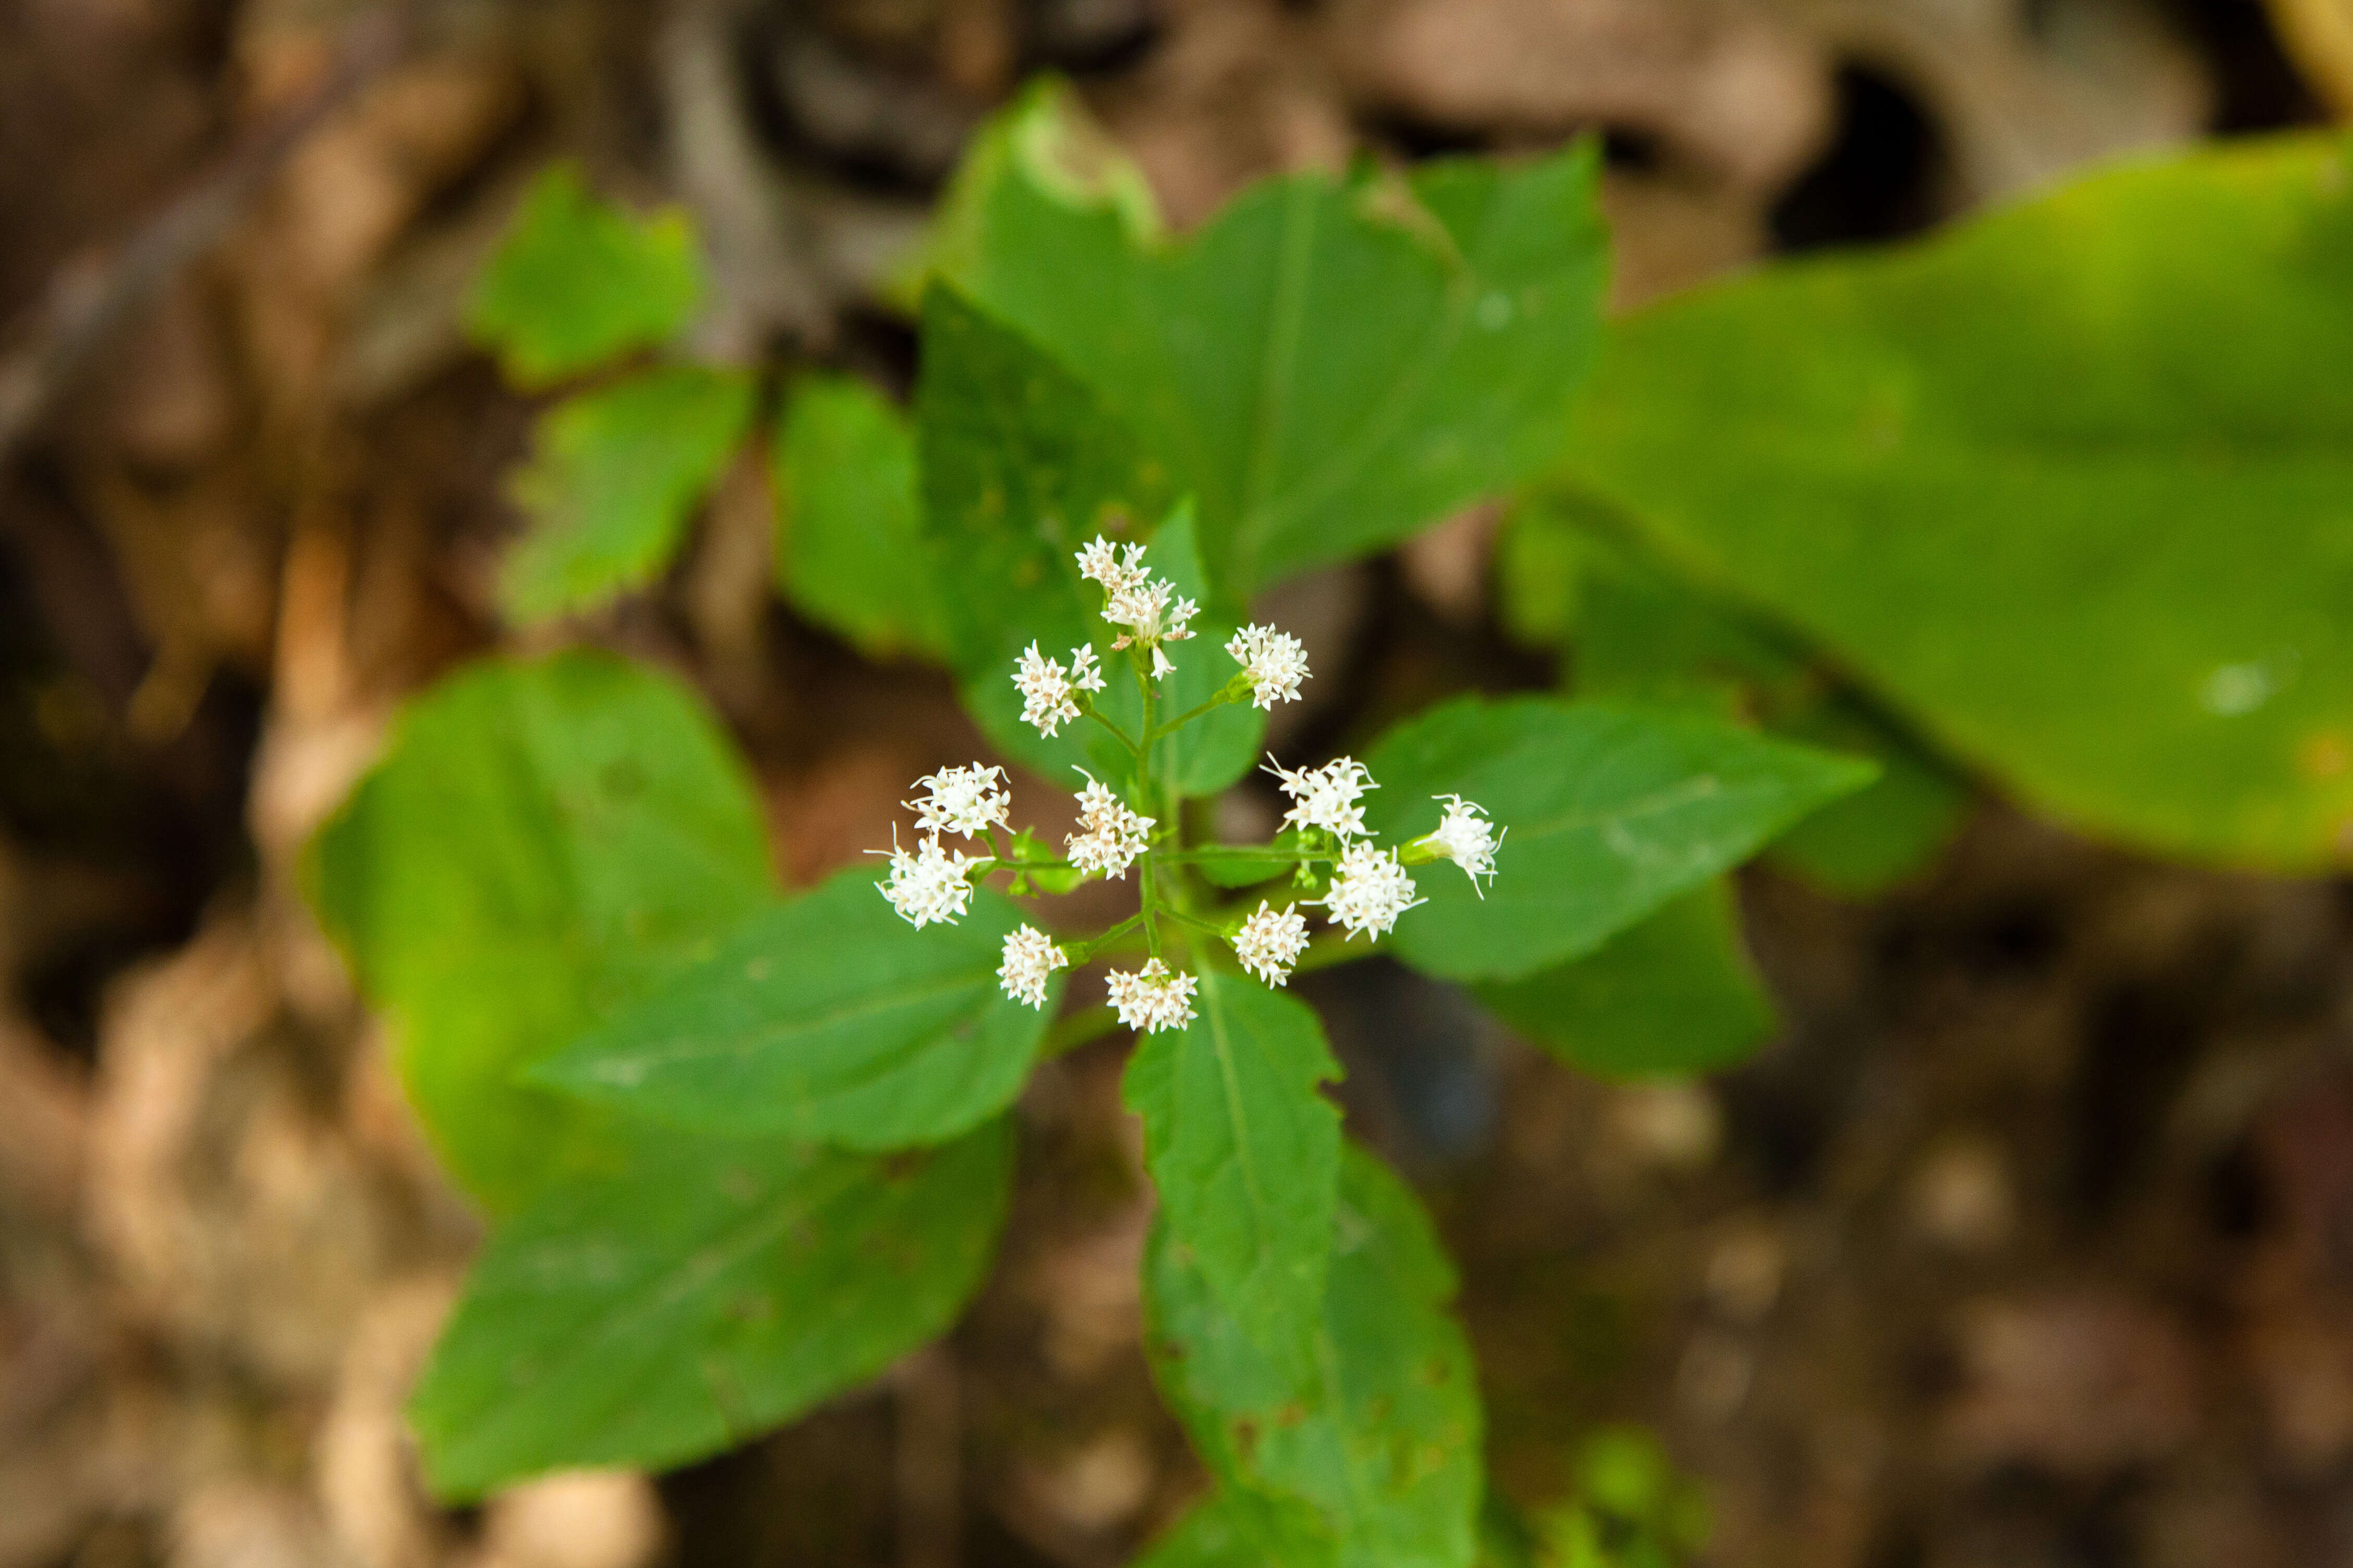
column 1151, row 999
column 1268, row 944
column 1030, row 958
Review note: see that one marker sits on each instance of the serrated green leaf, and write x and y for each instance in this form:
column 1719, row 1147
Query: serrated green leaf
column 1243, row 1150
column 1310, row 427
column 541, row 841
column 613, row 476
column 576, row 281
column 1372, row 1418
column 1671, row 996
column 851, row 554
column 2017, row 482
column 1609, row 813
column 700, row 1292
column 825, row 1018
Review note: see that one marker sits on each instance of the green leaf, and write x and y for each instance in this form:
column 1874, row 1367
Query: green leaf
column 701, row 1291
column 1648, row 636
column 1022, row 466
column 1236, row 1529
column 1672, row 995
column 1609, row 813
column 1372, row 1418
column 826, row 1018
column 1880, row 835
column 538, row 842
column 577, row 281
column 1243, row 1150
column 613, row 475
column 2017, row 482
column 1311, row 426
column 851, row 554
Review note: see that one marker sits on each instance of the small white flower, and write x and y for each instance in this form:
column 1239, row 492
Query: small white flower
column 1086, row 675
column 1045, row 688
column 1151, row 999
column 1109, row 834
column 1327, row 795
column 1101, row 563
column 1030, row 957
column 964, row 801
column 1275, row 662
column 1369, row 890
column 1268, row 944
column 1154, row 612
column 928, row 885
column 1466, row 837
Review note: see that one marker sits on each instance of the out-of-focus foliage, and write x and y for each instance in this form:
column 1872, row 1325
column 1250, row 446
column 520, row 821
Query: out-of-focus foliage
column 849, row 546
column 539, row 843
column 577, row 281
column 2061, row 487
column 609, row 486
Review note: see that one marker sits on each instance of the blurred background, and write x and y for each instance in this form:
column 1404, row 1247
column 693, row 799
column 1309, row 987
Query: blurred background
column 2028, row 1243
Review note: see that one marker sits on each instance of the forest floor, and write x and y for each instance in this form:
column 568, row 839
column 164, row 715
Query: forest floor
column 2028, row 1244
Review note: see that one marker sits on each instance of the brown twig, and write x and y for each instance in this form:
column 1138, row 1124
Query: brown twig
column 88, row 303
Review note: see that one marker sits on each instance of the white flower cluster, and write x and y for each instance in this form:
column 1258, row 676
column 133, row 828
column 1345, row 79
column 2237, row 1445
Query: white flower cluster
column 1327, row 796
column 1030, row 958
column 1275, row 662
column 966, row 800
column 1369, row 890
column 1148, row 607
column 1268, row 944
column 1110, row 836
column 1046, row 688
column 1151, row 999
column 928, row 885
column 1466, row 837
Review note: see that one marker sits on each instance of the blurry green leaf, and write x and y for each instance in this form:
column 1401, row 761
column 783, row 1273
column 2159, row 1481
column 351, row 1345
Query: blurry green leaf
column 1644, row 636
column 1372, row 1417
column 1326, row 366
column 1538, row 573
column 2020, row 483
column 1671, row 995
column 577, row 281
column 1609, row 813
column 698, row 1293
column 826, row 1018
column 1880, row 835
column 1244, row 866
column 614, row 474
column 1243, row 1150
column 538, row 842
column 851, row 554
column 1236, row 1529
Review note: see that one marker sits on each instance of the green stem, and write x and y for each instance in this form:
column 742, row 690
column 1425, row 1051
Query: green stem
column 1091, row 950
column 1246, row 854
column 1132, row 749
column 1170, row 728
column 1197, row 922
